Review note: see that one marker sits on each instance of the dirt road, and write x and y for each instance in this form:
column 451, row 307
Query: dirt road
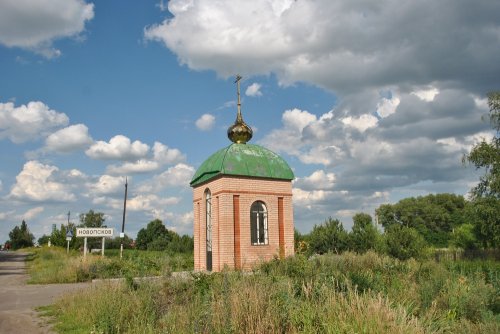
column 18, row 300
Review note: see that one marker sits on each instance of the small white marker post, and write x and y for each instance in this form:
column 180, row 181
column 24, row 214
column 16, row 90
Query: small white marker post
column 102, row 247
column 84, row 247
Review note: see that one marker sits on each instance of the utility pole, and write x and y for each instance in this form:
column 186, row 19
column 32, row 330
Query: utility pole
column 122, row 234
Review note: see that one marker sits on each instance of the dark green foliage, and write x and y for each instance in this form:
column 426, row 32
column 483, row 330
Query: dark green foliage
column 404, row 242
column 364, row 235
column 486, row 155
column 92, row 219
column 464, row 237
column 115, row 243
column 154, row 232
column 484, row 214
column 157, row 237
column 21, row 237
column 328, row 237
column 43, row 240
column 433, row 216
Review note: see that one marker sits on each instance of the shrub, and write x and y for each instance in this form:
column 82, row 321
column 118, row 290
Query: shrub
column 404, row 242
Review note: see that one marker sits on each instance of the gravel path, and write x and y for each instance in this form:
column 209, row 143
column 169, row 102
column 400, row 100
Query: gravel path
column 18, row 300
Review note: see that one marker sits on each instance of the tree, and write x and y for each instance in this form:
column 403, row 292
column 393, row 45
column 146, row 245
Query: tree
column 115, row 243
column 21, row 237
column 328, row 237
column 89, row 219
column 364, row 235
column 154, row 237
column 433, row 216
column 404, row 242
column 464, row 237
column 92, row 219
column 484, row 214
column 43, row 240
column 486, row 155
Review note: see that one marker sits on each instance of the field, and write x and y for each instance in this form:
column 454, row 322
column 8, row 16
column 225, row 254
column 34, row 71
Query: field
column 53, row 265
column 346, row 293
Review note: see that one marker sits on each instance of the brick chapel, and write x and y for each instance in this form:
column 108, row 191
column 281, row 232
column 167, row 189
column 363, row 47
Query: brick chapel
column 242, row 199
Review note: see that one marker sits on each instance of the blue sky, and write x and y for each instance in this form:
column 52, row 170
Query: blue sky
column 368, row 102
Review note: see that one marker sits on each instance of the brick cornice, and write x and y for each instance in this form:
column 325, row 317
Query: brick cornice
column 246, row 192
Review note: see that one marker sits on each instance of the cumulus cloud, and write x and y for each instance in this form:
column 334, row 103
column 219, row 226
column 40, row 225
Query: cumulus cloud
column 318, row 180
column 253, row 90
column 206, row 122
column 118, row 148
column 139, row 166
column 32, row 213
column 176, row 176
column 143, row 202
column 366, row 160
column 166, row 155
column 107, row 184
column 29, row 122
column 38, row 182
column 152, row 159
column 339, row 45
column 35, row 25
column 69, row 139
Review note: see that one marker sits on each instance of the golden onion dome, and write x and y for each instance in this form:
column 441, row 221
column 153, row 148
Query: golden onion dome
column 239, row 132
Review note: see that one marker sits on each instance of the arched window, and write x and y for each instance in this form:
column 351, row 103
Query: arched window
column 258, row 223
column 208, row 209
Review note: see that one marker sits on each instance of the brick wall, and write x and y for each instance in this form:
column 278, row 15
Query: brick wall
column 247, row 190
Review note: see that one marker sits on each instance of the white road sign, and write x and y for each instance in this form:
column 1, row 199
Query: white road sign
column 94, row 232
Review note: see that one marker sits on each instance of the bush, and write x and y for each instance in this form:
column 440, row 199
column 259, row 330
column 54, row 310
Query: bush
column 404, row 242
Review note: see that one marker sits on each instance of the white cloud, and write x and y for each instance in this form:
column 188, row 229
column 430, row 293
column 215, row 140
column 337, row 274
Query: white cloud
column 253, row 90
column 361, row 123
column 306, row 198
column 1, row 188
column 28, row 122
column 32, row 213
column 318, row 180
column 165, row 155
column 71, row 138
column 176, row 176
column 206, row 122
column 139, row 166
column 36, row 183
column 150, row 202
column 118, row 148
column 34, row 25
column 342, row 46
column 161, row 155
column 387, row 106
column 297, row 119
column 108, row 184
column 427, row 94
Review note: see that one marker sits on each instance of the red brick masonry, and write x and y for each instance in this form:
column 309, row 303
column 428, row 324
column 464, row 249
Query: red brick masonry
column 232, row 198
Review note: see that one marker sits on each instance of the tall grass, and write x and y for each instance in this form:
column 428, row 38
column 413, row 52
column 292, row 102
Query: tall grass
column 328, row 294
column 53, row 265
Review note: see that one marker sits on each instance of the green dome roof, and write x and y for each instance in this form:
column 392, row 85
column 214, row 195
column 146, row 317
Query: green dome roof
column 243, row 160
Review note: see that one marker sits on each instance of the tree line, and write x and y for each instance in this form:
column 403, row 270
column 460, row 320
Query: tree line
column 155, row 236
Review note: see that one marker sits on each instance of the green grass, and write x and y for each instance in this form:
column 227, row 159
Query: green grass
column 53, row 265
column 345, row 293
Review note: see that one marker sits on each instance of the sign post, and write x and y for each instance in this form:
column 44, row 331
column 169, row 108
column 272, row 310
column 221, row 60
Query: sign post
column 69, row 236
column 95, row 232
